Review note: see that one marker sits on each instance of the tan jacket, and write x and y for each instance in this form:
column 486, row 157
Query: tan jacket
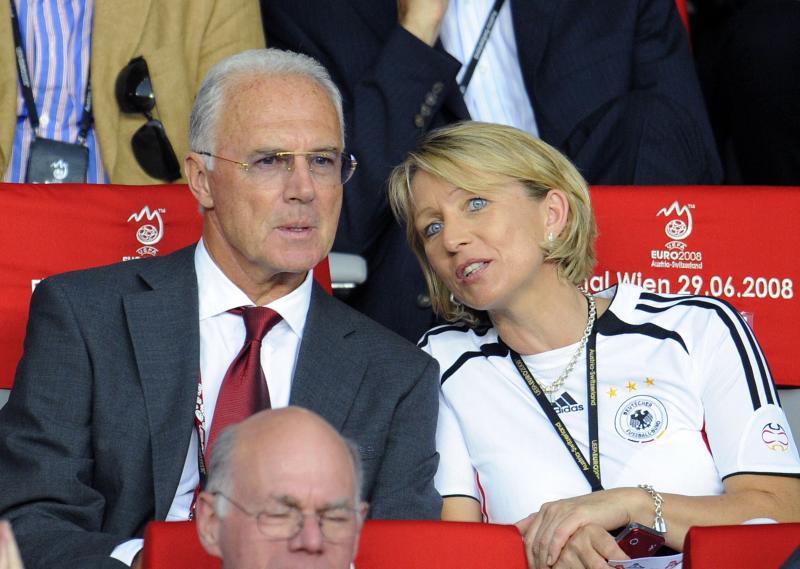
column 179, row 39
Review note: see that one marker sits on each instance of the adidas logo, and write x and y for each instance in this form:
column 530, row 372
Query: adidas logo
column 566, row 404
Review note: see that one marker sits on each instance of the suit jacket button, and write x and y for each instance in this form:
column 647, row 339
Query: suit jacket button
column 419, row 121
column 423, row 301
column 431, row 99
column 437, row 88
column 425, row 111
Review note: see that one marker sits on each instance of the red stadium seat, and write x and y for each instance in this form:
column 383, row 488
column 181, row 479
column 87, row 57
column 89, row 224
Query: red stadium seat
column 709, row 240
column 384, row 545
column 764, row 546
column 49, row 229
column 439, row 545
column 175, row 545
column 684, row 12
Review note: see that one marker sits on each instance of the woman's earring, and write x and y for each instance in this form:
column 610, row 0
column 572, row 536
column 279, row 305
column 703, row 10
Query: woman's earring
column 455, row 301
column 551, row 237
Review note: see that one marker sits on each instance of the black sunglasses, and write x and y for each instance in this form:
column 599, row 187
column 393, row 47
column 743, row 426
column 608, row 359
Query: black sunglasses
column 150, row 144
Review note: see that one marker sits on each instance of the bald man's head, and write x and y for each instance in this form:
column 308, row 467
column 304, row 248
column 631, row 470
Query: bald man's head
column 283, row 486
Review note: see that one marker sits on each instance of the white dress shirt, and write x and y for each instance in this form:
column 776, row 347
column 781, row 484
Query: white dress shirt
column 221, row 338
column 497, row 91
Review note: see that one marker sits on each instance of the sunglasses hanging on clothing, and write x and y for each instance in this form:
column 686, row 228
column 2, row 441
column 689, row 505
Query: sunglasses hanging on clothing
column 151, row 147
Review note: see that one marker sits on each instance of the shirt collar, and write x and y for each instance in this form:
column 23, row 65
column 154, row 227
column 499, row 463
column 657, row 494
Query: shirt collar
column 218, row 294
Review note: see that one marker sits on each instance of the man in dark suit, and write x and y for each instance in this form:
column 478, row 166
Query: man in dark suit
column 105, row 426
column 611, row 83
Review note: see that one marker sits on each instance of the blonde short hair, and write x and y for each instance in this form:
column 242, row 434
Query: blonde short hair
column 479, row 157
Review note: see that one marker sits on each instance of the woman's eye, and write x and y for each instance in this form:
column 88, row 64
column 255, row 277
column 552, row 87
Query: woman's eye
column 432, row 229
column 475, row 204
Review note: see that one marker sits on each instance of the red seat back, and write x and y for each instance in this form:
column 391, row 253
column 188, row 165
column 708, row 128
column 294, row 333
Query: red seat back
column 683, row 11
column 439, row 545
column 49, row 229
column 764, row 546
column 734, row 242
column 175, row 545
column 384, row 544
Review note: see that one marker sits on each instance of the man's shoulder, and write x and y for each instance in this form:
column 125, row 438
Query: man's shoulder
column 364, row 334
column 123, row 275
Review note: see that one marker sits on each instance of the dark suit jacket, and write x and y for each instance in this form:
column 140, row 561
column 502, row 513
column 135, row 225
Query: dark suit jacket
column 95, row 433
column 611, row 82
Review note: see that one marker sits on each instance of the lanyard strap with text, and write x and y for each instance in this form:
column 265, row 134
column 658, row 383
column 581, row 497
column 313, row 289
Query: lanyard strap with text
column 200, row 426
column 481, row 45
column 591, row 470
column 27, row 90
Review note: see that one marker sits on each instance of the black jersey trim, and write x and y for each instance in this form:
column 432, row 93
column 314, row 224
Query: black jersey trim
column 461, row 496
column 460, row 327
column 487, row 350
column 726, row 316
column 785, row 474
column 611, row 325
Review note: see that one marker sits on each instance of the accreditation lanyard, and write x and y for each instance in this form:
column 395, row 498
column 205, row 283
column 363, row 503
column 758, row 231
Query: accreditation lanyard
column 27, row 91
column 590, row 470
column 483, row 39
column 200, row 426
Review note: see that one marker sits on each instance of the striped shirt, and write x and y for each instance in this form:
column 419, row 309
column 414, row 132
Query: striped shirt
column 57, row 36
column 496, row 92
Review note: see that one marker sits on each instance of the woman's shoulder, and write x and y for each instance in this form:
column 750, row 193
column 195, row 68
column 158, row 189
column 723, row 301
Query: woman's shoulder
column 455, row 345
column 455, row 335
column 690, row 316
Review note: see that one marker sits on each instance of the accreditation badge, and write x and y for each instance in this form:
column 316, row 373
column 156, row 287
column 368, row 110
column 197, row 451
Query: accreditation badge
column 55, row 162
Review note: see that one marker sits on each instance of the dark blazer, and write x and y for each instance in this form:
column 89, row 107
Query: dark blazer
column 95, row 433
column 612, row 84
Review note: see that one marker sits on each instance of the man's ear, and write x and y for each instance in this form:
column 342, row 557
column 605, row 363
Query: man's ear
column 197, row 176
column 363, row 508
column 208, row 524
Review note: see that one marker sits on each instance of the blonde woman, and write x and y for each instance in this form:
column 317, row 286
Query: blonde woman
column 571, row 414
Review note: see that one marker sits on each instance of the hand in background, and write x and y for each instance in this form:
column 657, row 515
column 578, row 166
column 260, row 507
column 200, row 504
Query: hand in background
column 9, row 553
column 423, row 18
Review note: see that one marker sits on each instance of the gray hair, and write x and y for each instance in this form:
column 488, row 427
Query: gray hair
column 221, row 471
column 255, row 62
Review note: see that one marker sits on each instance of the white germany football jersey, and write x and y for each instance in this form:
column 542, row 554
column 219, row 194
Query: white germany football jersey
column 672, row 371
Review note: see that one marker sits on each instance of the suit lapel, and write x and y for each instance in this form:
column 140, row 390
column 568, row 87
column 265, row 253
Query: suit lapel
column 164, row 329
column 116, row 33
column 327, row 376
column 532, row 21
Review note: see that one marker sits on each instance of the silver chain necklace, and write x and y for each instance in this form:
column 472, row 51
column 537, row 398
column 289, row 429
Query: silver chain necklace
column 556, row 385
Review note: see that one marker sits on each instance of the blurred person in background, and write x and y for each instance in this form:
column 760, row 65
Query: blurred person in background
column 142, row 63
column 611, row 84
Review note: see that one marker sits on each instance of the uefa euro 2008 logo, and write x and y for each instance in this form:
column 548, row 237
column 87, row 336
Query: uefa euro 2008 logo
column 680, row 227
column 150, row 232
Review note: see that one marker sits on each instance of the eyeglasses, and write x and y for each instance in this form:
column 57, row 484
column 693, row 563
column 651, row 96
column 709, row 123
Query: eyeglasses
column 280, row 520
column 327, row 167
column 150, row 144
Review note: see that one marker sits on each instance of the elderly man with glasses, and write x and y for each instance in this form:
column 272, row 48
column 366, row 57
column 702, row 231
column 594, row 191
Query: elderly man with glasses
column 130, row 372
column 283, row 490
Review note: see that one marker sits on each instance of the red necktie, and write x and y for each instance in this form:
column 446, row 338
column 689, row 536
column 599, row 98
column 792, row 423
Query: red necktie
column 244, row 388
